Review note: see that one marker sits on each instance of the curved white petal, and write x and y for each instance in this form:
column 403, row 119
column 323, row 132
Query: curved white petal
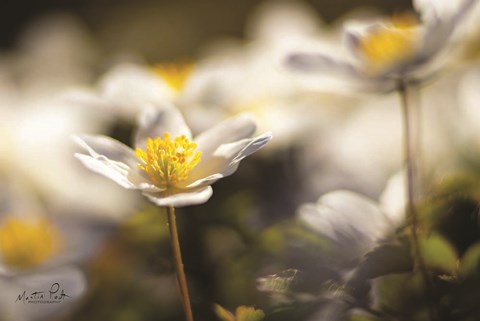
column 347, row 218
column 224, row 161
column 182, row 198
column 348, row 74
column 441, row 20
column 158, row 120
column 113, row 160
column 228, row 131
column 108, row 147
column 117, row 172
column 209, row 180
column 434, row 10
column 15, row 306
column 433, row 39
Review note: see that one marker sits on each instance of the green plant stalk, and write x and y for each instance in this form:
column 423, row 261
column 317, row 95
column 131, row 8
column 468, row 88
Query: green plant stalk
column 177, row 255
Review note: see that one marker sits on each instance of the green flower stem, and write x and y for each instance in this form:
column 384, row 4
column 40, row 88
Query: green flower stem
column 411, row 138
column 177, row 254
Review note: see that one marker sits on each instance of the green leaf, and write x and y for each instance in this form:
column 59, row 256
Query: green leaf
column 470, row 264
column 403, row 294
column 438, row 253
column 245, row 313
column 387, row 258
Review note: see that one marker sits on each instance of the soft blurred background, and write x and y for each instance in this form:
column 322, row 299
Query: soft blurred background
column 160, row 29
column 61, row 69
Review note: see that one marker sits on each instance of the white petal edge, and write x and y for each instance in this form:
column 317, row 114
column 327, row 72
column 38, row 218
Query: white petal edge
column 125, row 173
column 156, row 120
column 182, row 198
column 98, row 145
column 225, row 160
column 328, row 68
column 228, row 131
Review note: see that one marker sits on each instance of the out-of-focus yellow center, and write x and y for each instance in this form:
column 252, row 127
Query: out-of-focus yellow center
column 395, row 43
column 168, row 162
column 175, row 75
column 26, row 243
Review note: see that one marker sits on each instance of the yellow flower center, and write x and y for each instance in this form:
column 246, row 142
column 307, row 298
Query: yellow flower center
column 25, row 243
column 386, row 46
column 175, row 75
column 168, row 162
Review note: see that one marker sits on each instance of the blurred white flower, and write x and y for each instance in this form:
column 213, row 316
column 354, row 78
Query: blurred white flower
column 38, row 136
column 40, row 254
column 34, row 238
column 36, row 123
column 355, row 223
column 167, row 166
column 123, row 91
column 381, row 52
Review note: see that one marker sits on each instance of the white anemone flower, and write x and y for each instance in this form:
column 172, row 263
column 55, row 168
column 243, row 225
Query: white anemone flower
column 35, row 238
column 168, row 167
column 384, row 51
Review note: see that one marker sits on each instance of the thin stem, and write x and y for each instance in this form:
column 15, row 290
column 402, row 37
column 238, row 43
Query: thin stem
column 411, row 209
column 177, row 254
column 412, row 182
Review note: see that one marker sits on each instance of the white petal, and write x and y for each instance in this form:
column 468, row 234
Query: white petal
column 67, row 279
column 182, row 198
column 209, row 180
column 441, row 23
column 347, row 217
column 434, row 10
column 158, row 120
column 433, row 39
column 225, row 160
column 321, row 63
column 328, row 68
column 310, row 215
column 117, row 172
column 228, row 131
column 132, row 85
column 108, row 147
column 113, row 160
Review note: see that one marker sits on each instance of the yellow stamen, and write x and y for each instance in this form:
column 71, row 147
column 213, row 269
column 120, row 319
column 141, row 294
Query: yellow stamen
column 27, row 243
column 389, row 45
column 175, row 75
column 168, row 162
